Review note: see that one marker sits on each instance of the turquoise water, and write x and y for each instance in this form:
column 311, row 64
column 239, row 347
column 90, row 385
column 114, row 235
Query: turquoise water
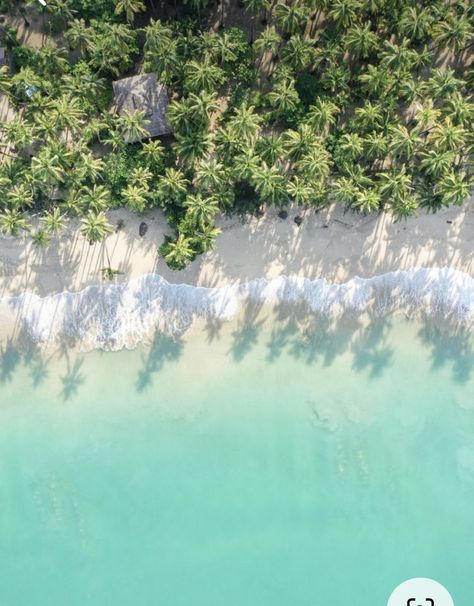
column 244, row 466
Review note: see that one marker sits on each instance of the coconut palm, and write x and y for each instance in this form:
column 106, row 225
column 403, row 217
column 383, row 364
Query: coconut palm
column 202, row 106
column 41, row 238
column 245, row 122
column 245, row 164
column 203, row 75
column 453, row 188
column 290, row 17
column 207, row 235
column 135, row 197
column 284, row 97
column 79, row 35
column 191, row 147
column 95, row 198
column 300, row 191
column 270, row 184
column 448, row 136
column 53, row 222
column 298, row 52
column 403, row 143
column 172, row 186
column 253, row 7
column 152, row 153
column 437, row 164
column 395, row 185
column 133, row 125
column 20, row 196
column 177, row 253
column 210, row 174
column 322, row 115
column 453, row 32
column 361, row 40
column 460, row 109
column 5, row 80
column 369, row 116
column 12, row 222
column 367, row 201
column 129, row 7
column 300, row 142
column 95, row 226
column 268, row 42
column 375, row 145
column 415, row 23
column 343, row 12
column 271, row 148
column 201, row 210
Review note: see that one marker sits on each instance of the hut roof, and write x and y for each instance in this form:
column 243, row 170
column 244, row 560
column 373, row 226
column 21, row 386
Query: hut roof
column 144, row 93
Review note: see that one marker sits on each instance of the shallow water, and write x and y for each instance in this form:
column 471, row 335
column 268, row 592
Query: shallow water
column 247, row 465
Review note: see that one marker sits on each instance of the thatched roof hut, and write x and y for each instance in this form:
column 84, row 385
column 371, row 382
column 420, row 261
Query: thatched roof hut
column 144, row 93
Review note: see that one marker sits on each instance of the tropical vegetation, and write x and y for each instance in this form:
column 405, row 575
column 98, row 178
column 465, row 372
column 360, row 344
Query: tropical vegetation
column 363, row 103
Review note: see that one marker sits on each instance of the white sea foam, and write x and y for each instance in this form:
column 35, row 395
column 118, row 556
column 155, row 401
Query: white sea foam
column 123, row 315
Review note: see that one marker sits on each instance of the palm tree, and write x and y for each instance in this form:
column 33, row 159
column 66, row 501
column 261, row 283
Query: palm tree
column 369, row 116
column 300, row 142
column 95, row 198
column 460, row 109
column 268, row 41
column 436, row 163
column 375, row 146
column 453, row 188
column 361, row 40
column 191, row 147
column 322, row 115
column 203, row 75
column 41, row 238
column 343, row 12
column 201, row 210
column 290, row 17
column 245, row 164
column 203, row 105
column 284, row 97
column 415, row 23
column 129, row 7
column 367, row 201
column 20, row 196
column 153, row 153
column 300, row 191
column 177, row 253
column 448, row 136
column 206, row 236
column 95, row 226
column 53, row 222
column 210, row 174
column 271, row 148
column 5, row 80
column 395, row 185
column 173, row 185
column 12, row 222
column 298, row 52
column 403, row 143
column 245, row 122
column 270, row 184
column 453, row 32
column 79, row 35
column 135, row 197
column 133, row 126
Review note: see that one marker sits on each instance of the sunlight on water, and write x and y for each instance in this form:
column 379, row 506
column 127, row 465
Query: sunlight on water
column 256, row 465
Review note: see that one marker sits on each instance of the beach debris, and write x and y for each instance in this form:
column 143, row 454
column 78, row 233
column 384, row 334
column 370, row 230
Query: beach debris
column 325, row 226
column 298, row 220
column 142, row 229
column 120, row 224
column 283, row 214
column 449, row 221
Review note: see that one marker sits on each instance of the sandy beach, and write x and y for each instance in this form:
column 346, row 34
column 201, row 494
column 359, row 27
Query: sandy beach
column 330, row 244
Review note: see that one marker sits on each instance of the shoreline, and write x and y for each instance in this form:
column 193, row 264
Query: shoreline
column 330, row 244
column 355, row 266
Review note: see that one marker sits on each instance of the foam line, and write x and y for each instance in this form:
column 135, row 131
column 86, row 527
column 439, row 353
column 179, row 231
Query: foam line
column 123, row 315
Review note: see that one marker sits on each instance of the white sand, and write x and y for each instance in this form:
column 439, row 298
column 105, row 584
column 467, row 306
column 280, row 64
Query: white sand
column 329, row 244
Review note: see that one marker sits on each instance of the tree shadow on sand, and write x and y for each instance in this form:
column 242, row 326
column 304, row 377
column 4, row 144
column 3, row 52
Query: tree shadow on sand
column 245, row 337
column 163, row 350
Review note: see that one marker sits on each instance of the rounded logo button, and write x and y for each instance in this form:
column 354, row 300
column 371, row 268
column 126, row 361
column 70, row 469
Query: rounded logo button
column 420, row 592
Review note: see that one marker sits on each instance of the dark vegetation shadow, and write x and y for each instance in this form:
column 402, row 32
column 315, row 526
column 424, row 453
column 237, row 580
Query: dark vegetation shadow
column 163, row 350
column 73, row 379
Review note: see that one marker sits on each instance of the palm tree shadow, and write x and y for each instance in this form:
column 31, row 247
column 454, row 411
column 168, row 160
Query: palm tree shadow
column 164, row 349
column 455, row 348
column 73, row 379
column 10, row 357
column 246, row 335
column 370, row 351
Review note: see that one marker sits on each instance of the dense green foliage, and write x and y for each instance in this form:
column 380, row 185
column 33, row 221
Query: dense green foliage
column 367, row 103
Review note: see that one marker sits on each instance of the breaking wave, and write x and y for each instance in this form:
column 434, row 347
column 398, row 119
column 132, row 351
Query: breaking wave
column 114, row 316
